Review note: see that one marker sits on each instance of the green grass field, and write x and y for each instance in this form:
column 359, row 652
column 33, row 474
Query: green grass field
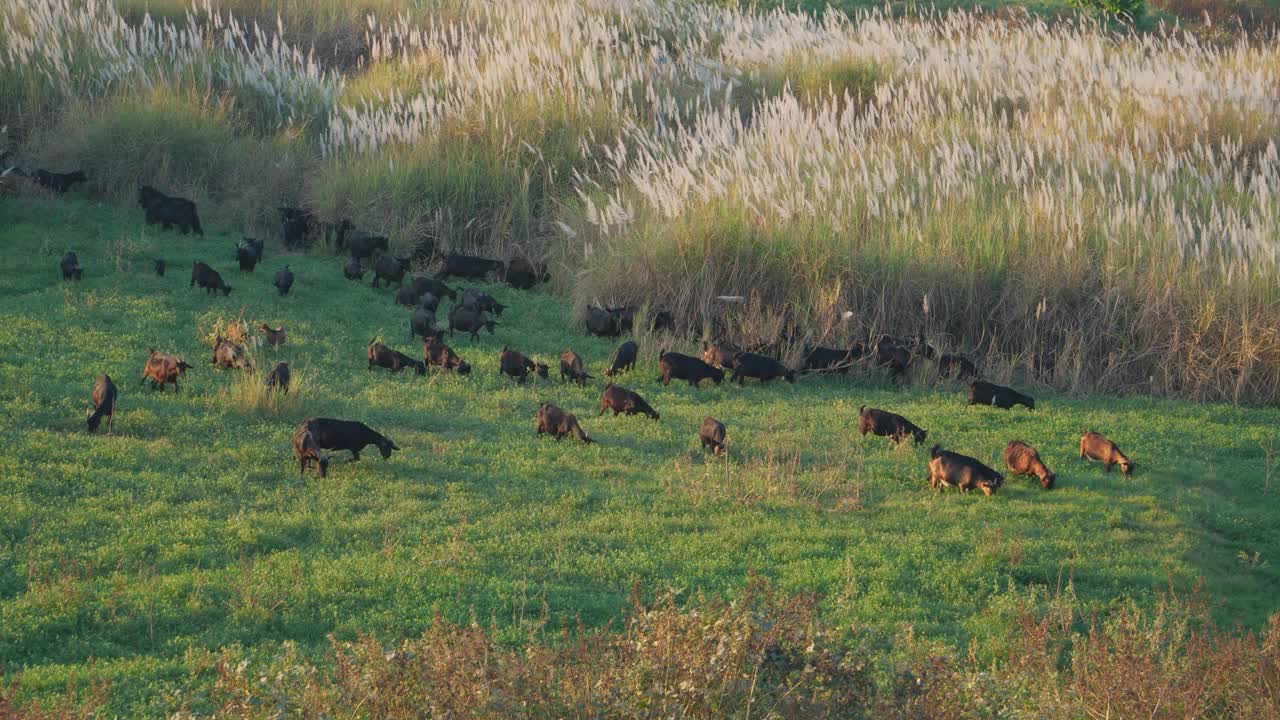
column 190, row 529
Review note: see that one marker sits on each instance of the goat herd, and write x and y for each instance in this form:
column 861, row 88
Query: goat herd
column 474, row 311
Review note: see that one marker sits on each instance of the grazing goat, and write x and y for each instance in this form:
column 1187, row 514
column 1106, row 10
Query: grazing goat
column 248, row 253
column 469, row 320
column 558, row 424
column 208, row 278
column 751, row 365
column 712, row 436
column 278, row 378
column 361, row 245
column 468, row 266
column 228, row 355
column 330, row 434
column 1095, row 446
column 423, row 285
column 442, row 356
column 985, row 393
column 298, row 227
column 663, row 321
column 423, row 324
column 686, row 367
column 482, row 302
column 571, row 368
column 823, row 359
column 352, row 269
column 275, row 338
column 890, row 425
column 622, row 400
column 382, row 356
column 104, row 403
column 162, row 369
column 168, row 212
column 1022, row 459
column 720, row 355
column 949, row 365
column 406, row 296
column 70, row 265
column 390, row 268
column 892, row 354
column 603, row 323
column 283, row 280
column 523, row 274
column 514, row 364
column 961, row 471
column 624, row 358
column 307, row 449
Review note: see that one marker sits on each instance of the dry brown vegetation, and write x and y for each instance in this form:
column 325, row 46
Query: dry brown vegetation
column 761, row 655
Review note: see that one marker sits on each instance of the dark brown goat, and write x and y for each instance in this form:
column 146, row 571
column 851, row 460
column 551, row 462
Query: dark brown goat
column 514, row 364
column 961, row 471
column 624, row 358
column 571, row 368
column 1022, row 459
column 71, row 266
column 390, row 268
column 622, row 400
column 275, row 338
column 1095, row 446
column 283, row 280
column 890, row 425
column 423, row 323
column 720, row 355
column 352, row 269
column 104, row 403
column 394, row 360
column 228, row 355
column 307, row 450
column 278, row 378
column 985, row 393
column 557, row 423
column 688, row 368
column 469, row 320
column 442, row 356
column 761, row 367
column 208, row 278
column 712, row 435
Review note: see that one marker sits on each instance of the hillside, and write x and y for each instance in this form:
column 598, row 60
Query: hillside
column 190, row 529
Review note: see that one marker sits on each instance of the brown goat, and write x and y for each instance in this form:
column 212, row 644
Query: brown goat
column 961, row 471
column 163, row 369
column 307, row 450
column 557, row 423
column 571, row 368
column 891, row 425
column 622, row 400
column 437, row 354
column 720, row 355
column 1022, row 459
column 712, row 435
column 1095, row 446
column 275, row 338
column 104, row 403
column 515, row 364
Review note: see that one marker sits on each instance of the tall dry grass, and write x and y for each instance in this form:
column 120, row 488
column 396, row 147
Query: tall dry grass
column 770, row 655
column 1081, row 208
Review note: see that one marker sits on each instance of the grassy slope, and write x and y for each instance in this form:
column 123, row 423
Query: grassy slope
column 190, row 528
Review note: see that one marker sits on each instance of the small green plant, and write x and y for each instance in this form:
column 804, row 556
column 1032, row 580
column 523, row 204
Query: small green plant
column 1126, row 10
